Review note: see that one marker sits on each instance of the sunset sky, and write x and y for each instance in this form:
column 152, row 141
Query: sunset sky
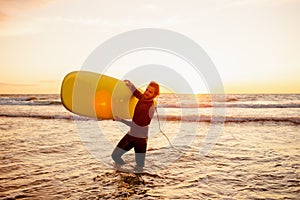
column 254, row 44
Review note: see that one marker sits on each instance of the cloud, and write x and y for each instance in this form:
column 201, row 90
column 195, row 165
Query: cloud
column 104, row 21
column 39, row 87
column 15, row 16
column 30, row 84
column 3, row 16
column 13, row 8
column 49, row 81
column 17, row 85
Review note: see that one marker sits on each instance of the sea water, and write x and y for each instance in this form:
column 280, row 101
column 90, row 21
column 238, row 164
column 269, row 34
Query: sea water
column 255, row 153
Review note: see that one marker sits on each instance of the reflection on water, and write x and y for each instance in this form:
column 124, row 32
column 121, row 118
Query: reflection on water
column 45, row 158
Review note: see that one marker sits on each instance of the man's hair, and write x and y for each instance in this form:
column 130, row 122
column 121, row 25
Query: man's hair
column 156, row 86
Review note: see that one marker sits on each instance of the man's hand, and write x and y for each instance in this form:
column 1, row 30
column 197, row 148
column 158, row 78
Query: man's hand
column 128, row 83
column 116, row 118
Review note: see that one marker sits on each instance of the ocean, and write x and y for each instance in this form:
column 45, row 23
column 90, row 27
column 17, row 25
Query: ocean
column 245, row 146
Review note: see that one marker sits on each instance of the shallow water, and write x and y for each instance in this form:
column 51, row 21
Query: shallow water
column 45, row 158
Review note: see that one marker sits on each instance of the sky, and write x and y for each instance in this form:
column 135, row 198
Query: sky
column 254, row 44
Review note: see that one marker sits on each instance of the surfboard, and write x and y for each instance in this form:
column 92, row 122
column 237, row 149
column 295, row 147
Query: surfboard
column 97, row 95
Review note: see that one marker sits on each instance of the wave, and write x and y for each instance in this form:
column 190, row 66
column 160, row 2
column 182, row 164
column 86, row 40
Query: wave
column 33, row 102
column 188, row 118
column 218, row 105
column 220, row 119
column 36, row 103
column 167, row 101
column 29, row 100
column 288, row 105
column 41, row 116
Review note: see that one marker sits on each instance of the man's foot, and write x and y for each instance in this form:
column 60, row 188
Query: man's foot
column 117, row 166
column 139, row 169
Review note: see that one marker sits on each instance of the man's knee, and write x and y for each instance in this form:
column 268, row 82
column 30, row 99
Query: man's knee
column 117, row 154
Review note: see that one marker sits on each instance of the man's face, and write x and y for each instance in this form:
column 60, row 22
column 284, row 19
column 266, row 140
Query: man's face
column 149, row 93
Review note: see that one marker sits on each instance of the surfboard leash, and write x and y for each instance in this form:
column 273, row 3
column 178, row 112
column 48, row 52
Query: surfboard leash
column 162, row 132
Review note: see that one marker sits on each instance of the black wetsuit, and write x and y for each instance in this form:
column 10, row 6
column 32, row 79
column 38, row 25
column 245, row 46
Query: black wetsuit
column 137, row 136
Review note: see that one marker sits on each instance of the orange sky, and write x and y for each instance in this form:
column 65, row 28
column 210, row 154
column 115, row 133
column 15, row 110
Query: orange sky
column 254, row 44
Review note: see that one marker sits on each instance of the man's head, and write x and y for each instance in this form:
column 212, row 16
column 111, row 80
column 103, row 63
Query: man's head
column 151, row 91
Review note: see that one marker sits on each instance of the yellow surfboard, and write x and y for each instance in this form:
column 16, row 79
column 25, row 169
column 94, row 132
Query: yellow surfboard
column 96, row 95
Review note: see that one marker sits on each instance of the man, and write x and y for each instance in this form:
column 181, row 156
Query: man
column 137, row 136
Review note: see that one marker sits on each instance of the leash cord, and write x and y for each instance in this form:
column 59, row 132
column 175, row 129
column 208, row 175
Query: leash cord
column 161, row 131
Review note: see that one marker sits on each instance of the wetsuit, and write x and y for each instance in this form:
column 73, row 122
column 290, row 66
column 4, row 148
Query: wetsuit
column 137, row 136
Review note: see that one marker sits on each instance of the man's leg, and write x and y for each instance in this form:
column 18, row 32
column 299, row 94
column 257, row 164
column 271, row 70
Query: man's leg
column 123, row 146
column 140, row 148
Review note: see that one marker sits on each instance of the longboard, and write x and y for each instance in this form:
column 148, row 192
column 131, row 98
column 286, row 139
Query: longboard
column 97, row 95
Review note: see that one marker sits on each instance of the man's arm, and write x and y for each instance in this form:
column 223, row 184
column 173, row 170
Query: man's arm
column 133, row 89
column 128, row 123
